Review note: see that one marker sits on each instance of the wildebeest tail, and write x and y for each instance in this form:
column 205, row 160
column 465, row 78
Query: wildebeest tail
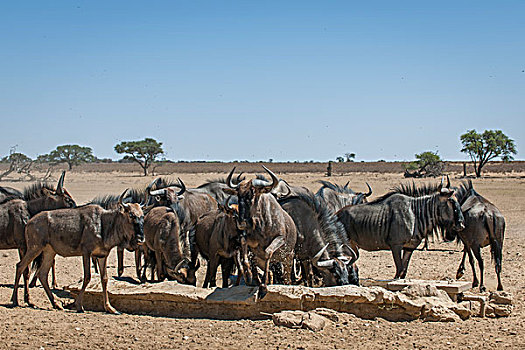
column 37, row 262
column 496, row 230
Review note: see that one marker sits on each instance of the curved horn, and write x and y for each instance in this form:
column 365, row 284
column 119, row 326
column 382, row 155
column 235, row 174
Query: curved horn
column 448, row 182
column 121, row 198
column 162, row 191
column 288, row 188
column 182, row 187
column 346, row 186
column 240, row 177
column 354, row 257
column 229, row 180
column 263, row 183
column 60, row 185
column 369, row 190
column 317, row 256
column 176, row 269
column 325, row 263
column 441, row 184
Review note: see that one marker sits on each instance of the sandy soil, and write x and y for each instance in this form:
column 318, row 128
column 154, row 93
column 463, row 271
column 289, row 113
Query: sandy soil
column 45, row 328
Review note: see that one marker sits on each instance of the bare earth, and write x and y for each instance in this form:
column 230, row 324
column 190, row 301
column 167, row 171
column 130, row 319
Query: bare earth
column 45, row 328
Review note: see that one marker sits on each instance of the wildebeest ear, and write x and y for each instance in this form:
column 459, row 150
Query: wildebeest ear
column 230, row 191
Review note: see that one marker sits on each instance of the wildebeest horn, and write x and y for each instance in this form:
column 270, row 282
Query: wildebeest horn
column 162, row 191
column 182, row 187
column 60, row 186
column 448, row 182
column 441, row 184
column 369, row 190
column 176, row 269
column 229, row 180
column 228, row 202
column 263, row 183
column 317, row 256
column 347, row 183
column 351, row 260
column 121, row 198
column 240, row 177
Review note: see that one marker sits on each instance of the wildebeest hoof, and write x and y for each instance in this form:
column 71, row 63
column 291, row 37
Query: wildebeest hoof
column 57, row 306
column 500, row 288
column 482, row 289
column 475, row 284
column 459, row 274
column 263, row 290
column 112, row 310
column 120, row 272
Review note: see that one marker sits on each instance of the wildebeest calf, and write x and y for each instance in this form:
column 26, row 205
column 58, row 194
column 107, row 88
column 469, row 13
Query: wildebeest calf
column 84, row 231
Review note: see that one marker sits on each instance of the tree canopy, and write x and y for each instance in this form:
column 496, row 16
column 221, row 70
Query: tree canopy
column 426, row 164
column 144, row 152
column 484, row 147
column 70, row 154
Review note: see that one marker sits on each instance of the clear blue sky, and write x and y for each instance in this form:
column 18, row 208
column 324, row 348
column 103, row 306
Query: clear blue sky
column 288, row 80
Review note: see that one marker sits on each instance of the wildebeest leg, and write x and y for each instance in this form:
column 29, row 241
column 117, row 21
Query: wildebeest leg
column 211, row 270
column 54, row 277
column 407, row 254
column 396, row 253
column 86, row 260
column 475, row 282
column 95, row 264
column 138, row 261
column 226, row 268
column 158, row 266
column 102, row 265
column 476, row 249
column 276, row 244
column 120, row 261
column 461, row 268
column 308, row 273
column 43, row 273
column 240, row 270
column 498, row 274
column 21, row 267
column 248, row 274
column 26, row 279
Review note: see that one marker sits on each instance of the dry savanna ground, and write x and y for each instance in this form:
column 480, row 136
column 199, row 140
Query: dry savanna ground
column 45, row 328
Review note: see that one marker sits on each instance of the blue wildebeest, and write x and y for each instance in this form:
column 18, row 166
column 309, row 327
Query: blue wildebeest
column 399, row 223
column 270, row 231
column 336, row 197
column 218, row 240
column 15, row 213
column 188, row 205
column 321, row 241
column 86, row 231
column 484, row 225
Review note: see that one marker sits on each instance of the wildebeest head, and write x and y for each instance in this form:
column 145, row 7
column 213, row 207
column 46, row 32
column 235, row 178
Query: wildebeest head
column 168, row 195
column 184, row 272
column 450, row 216
column 338, row 271
column 59, row 198
column 248, row 192
column 134, row 215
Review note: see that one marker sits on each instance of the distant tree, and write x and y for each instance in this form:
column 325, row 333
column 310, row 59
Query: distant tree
column 426, row 164
column 70, row 154
column 18, row 163
column 143, row 152
column 350, row 157
column 340, row 159
column 486, row 146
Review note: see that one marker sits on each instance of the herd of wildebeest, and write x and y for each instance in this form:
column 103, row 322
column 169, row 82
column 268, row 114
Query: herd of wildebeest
column 266, row 229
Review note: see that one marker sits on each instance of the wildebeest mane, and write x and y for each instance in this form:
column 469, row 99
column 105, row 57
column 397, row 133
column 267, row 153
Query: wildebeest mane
column 333, row 186
column 109, row 201
column 332, row 231
column 464, row 190
column 35, row 190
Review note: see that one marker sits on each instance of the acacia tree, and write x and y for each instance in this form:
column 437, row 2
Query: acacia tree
column 70, row 154
column 143, row 152
column 426, row 164
column 486, row 146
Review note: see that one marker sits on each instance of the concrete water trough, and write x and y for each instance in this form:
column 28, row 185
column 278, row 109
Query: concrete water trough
column 418, row 300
